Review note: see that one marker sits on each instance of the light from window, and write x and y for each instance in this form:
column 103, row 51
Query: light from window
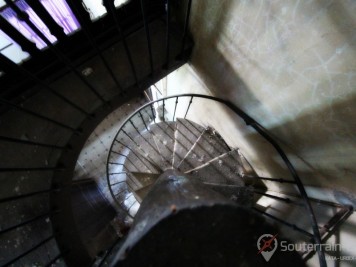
column 10, row 49
column 62, row 14
column 22, row 27
column 58, row 9
column 96, row 9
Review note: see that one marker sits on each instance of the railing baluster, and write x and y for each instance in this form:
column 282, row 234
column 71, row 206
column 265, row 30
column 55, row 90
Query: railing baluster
column 114, row 163
column 186, row 25
column 118, row 193
column 37, row 115
column 8, row 229
column 8, row 199
column 287, row 200
column 175, row 108
column 93, row 43
column 126, row 198
column 118, row 183
column 25, row 17
column 168, row 15
column 163, row 110
column 26, row 142
column 147, row 30
column 59, row 256
column 303, row 195
column 190, row 102
column 110, row 7
column 108, row 252
column 135, row 127
column 113, row 173
column 28, row 251
column 259, row 128
column 290, row 225
column 279, row 180
column 45, row 85
column 153, row 113
column 25, row 169
column 143, row 120
column 128, row 210
column 148, row 158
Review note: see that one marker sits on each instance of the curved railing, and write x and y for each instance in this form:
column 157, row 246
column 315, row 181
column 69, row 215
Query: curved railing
column 139, row 122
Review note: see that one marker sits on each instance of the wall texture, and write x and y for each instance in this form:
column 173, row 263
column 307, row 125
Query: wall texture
column 291, row 65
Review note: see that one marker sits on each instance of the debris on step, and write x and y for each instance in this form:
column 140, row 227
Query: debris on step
column 207, row 147
column 225, row 169
column 186, row 134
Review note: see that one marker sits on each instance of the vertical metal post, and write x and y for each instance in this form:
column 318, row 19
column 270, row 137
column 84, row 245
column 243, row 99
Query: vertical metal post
column 37, row 115
column 186, row 25
column 190, row 102
column 147, row 30
column 153, row 113
column 110, row 7
column 26, row 142
column 168, row 14
column 143, row 120
column 28, row 251
column 93, row 43
column 175, row 108
column 4, row 60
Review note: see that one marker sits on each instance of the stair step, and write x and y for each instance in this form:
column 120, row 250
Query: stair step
column 148, row 148
column 141, row 193
column 225, row 169
column 136, row 162
column 207, row 147
column 140, row 180
column 242, row 195
column 163, row 135
column 186, row 134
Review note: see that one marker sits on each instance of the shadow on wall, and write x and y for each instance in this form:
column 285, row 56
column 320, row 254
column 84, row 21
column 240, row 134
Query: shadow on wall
column 320, row 140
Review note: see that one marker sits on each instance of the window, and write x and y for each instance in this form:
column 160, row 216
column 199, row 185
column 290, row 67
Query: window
column 58, row 9
column 62, row 14
column 97, row 10
column 10, row 49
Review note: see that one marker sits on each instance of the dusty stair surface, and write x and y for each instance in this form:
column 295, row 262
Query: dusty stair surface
column 183, row 145
column 208, row 146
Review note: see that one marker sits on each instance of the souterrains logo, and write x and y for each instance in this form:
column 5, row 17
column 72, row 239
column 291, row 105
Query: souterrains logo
column 267, row 245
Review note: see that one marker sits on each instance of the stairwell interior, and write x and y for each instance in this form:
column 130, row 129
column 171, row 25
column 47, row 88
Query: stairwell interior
column 290, row 65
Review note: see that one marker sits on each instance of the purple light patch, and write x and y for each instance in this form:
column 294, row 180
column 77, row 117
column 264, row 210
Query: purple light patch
column 60, row 12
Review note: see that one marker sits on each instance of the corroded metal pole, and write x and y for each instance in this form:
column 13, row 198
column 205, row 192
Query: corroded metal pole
column 181, row 222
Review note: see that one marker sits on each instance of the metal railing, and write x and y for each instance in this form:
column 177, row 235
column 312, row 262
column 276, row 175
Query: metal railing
column 7, row 104
column 138, row 123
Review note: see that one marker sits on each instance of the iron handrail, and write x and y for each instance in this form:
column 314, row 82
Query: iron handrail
column 264, row 133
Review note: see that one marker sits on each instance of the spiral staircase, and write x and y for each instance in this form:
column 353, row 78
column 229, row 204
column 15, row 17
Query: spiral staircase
column 164, row 137
column 136, row 163
column 50, row 106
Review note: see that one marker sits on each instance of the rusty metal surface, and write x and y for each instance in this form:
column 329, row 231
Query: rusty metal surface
column 183, row 223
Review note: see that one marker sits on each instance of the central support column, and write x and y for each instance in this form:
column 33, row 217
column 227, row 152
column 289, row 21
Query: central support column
column 181, row 222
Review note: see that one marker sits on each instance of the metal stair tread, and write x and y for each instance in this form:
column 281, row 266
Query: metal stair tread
column 225, row 169
column 208, row 146
column 186, row 134
column 142, row 192
column 163, row 135
column 142, row 179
